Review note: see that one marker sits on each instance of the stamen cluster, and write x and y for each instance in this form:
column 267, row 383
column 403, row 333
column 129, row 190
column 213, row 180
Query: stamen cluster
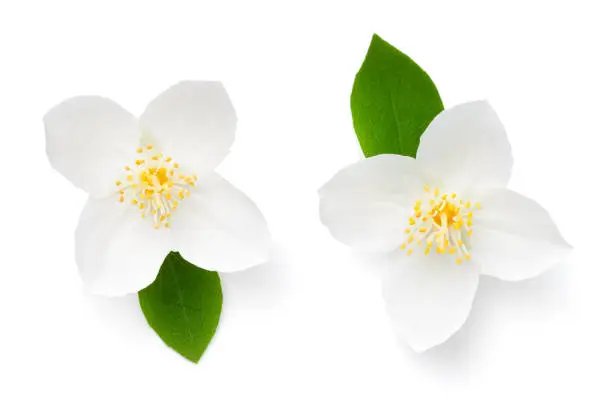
column 154, row 185
column 445, row 223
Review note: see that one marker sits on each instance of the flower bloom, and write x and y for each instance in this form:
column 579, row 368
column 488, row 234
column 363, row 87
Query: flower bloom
column 443, row 219
column 152, row 186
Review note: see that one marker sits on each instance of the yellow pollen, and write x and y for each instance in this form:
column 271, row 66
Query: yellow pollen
column 409, row 252
column 443, row 226
column 154, row 187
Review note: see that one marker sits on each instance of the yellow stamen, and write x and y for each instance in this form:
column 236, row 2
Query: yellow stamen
column 444, row 222
column 154, row 186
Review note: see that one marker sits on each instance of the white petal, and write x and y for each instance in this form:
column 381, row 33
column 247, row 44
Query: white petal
column 194, row 122
column 513, row 237
column 367, row 204
column 464, row 146
column 429, row 298
column 118, row 252
column 219, row 228
column 89, row 140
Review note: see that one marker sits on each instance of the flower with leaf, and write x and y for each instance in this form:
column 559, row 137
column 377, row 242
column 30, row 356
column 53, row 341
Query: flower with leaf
column 442, row 219
column 152, row 186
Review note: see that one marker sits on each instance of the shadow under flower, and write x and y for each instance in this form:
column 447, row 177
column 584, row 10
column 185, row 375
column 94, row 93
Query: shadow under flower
column 538, row 298
column 259, row 287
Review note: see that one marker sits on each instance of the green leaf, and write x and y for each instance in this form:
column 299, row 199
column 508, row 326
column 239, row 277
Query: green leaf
column 393, row 101
column 183, row 306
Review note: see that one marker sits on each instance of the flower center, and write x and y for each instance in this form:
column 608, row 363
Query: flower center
column 155, row 185
column 446, row 222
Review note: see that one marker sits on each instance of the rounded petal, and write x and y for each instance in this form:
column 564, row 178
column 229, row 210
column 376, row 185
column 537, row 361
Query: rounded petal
column 367, row 204
column 428, row 298
column 117, row 251
column 219, row 228
column 465, row 146
column 194, row 122
column 89, row 141
column 513, row 237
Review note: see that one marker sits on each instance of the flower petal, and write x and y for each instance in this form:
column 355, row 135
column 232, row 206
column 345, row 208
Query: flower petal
column 367, row 204
column 428, row 298
column 466, row 145
column 194, row 122
column 89, row 141
column 219, row 228
column 118, row 252
column 513, row 237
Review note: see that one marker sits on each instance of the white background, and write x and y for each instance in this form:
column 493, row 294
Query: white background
column 309, row 327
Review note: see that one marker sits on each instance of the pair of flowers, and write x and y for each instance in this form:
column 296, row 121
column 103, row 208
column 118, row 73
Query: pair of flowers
column 441, row 219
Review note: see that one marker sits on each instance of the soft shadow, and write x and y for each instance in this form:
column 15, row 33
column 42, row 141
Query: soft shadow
column 260, row 287
column 534, row 299
column 121, row 315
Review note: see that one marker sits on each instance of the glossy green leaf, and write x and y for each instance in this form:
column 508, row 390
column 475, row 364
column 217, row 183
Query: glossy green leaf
column 393, row 101
column 183, row 306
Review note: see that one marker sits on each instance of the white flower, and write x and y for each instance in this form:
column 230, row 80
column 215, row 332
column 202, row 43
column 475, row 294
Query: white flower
column 152, row 186
column 444, row 218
